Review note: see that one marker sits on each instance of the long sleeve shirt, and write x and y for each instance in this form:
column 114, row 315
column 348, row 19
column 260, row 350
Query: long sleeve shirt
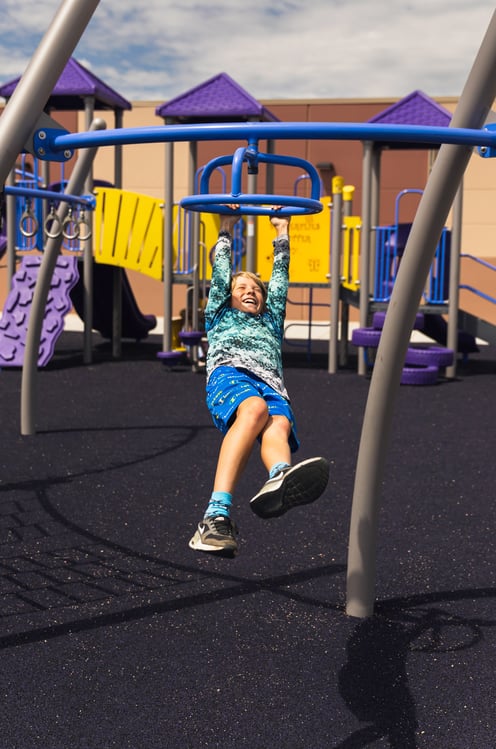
column 244, row 340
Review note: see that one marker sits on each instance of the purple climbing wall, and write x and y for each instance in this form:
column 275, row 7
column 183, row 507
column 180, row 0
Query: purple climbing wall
column 15, row 316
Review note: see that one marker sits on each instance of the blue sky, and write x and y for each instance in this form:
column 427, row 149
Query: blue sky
column 158, row 49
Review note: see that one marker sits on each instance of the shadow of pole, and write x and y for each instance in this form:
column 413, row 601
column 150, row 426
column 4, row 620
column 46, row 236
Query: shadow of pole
column 373, row 681
column 374, row 684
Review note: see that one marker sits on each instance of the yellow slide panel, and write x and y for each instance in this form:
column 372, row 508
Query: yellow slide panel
column 128, row 230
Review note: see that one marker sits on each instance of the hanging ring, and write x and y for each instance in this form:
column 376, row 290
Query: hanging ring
column 67, row 223
column 83, row 223
column 53, row 225
column 28, row 223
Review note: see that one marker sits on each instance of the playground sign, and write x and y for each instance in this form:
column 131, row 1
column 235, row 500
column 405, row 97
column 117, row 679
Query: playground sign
column 310, row 237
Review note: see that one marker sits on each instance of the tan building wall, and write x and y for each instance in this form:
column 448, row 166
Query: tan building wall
column 143, row 165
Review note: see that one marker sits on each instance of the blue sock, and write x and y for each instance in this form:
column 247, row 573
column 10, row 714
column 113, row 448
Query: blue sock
column 219, row 504
column 277, row 468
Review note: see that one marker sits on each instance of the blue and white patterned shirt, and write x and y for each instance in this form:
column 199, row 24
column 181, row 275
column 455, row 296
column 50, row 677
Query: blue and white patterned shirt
column 241, row 339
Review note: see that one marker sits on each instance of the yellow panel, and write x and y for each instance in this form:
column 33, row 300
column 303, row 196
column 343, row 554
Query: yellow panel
column 129, row 231
column 351, row 252
column 105, row 224
column 310, row 239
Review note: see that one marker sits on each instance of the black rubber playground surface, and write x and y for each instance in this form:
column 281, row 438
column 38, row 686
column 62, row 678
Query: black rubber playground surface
column 113, row 633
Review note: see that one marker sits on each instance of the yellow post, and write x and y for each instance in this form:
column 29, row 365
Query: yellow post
column 348, row 193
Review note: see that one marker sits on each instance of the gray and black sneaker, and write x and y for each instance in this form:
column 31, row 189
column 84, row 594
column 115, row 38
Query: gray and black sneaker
column 215, row 534
column 299, row 485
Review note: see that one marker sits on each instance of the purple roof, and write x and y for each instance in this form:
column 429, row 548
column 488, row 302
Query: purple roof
column 414, row 109
column 219, row 98
column 74, row 84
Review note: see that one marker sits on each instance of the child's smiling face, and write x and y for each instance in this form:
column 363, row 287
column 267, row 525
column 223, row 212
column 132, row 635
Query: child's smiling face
column 247, row 296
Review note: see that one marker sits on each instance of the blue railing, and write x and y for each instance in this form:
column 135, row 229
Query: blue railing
column 389, row 248
column 390, row 243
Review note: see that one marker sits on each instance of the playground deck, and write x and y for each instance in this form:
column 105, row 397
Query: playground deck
column 115, row 634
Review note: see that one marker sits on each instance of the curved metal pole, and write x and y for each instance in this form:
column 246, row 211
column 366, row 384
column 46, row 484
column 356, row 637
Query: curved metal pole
column 475, row 102
column 35, row 325
column 33, row 90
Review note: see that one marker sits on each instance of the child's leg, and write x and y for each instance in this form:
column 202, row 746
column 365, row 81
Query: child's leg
column 251, row 418
column 274, row 447
column 290, row 487
column 217, row 533
column 287, row 487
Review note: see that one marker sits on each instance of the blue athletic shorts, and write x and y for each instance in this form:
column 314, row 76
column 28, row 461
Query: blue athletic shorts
column 227, row 387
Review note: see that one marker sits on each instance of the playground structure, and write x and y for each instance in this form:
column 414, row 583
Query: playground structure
column 114, row 312
column 128, row 234
column 18, row 123
column 194, row 234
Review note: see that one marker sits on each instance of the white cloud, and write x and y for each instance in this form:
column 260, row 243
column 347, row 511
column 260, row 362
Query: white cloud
column 301, row 49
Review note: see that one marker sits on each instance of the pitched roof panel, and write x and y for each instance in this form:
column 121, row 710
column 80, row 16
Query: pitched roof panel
column 74, row 84
column 414, row 109
column 219, row 98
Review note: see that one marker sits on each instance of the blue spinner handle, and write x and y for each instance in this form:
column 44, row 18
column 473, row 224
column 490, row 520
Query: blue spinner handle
column 254, row 204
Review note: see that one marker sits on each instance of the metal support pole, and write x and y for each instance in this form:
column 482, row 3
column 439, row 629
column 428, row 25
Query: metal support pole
column 375, row 209
column 88, row 299
column 269, row 171
column 348, row 194
column 251, row 255
column 31, row 94
column 35, row 325
column 474, row 104
column 194, row 248
column 168, row 250
column 118, row 119
column 368, row 151
column 117, row 273
column 10, row 207
column 336, row 243
column 88, row 290
column 454, row 281
column 116, row 312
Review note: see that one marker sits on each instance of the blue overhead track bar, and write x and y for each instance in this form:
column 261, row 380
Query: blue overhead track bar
column 51, row 144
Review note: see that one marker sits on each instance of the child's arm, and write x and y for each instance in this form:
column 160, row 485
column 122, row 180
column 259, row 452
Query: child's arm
column 279, row 280
column 228, row 222
column 220, row 288
column 281, row 224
